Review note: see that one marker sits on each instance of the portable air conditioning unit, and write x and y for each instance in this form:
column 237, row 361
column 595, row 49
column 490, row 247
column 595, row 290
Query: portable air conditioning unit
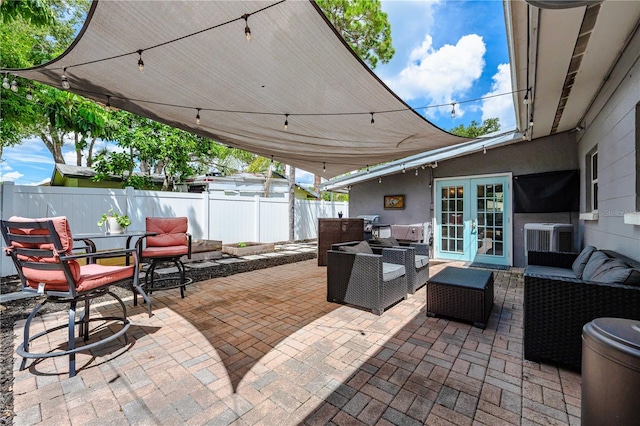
column 548, row 237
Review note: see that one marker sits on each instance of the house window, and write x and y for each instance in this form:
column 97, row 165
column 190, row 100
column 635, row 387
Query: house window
column 593, row 166
column 591, row 180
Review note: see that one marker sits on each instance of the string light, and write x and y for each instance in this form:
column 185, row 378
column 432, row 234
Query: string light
column 5, row 82
column 367, row 168
column 453, row 110
column 324, row 166
column 526, row 98
column 531, row 122
column 379, row 180
column 416, row 171
column 484, row 149
column 403, row 169
column 140, row 61
column 247, row 30
column 14, row 85
column 198, row 116
column 29, row 95
column 108, row 105
column 286, row 121
column 373, row 122
column 65, row 82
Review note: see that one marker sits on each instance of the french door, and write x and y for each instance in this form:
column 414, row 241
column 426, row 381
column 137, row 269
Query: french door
column 473, row 220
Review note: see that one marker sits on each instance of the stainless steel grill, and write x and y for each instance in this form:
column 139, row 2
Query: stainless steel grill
column 369, row 221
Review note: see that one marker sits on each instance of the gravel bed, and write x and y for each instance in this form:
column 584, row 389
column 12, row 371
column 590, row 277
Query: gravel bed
column 20, row 309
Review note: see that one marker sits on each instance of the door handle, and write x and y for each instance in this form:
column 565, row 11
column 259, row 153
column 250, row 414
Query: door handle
column 473, row 225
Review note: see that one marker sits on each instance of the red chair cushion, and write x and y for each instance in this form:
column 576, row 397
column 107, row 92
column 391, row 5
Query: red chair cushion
column 171, row 231
column 170, row 251
column 53, row 280
column 95, row 275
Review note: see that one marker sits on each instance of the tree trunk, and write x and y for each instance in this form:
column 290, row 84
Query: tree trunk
column 292, row 203
column 78, row 150
column 90, row 152
column 267, row 181
column 54, row 145
column 317, row 180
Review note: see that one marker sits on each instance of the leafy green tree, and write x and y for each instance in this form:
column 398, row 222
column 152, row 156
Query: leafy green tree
column 475, row 130
column 364, row 26
column 36, row 12
column 33, row 32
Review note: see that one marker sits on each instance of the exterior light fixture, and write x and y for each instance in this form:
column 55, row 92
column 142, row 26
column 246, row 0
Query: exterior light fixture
column 14, row 86
column 324, row 166
column 198, row 116
column 65, row 82
column 373, row 122
column 403, row 169
column 247, row 30
column 416, row 171
column 140, row 61
column 286, row 121
column 5, row 82
column 453, row 110
column 484, row 149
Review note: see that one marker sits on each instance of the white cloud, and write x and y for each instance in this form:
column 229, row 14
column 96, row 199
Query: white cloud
column 12, row 176
column 440, row 76
column 500, row 106
column 304, row 177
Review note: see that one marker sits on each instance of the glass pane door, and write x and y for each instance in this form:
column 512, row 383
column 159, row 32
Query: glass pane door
column 453, row 237
column 490, row 215
column 472, row 220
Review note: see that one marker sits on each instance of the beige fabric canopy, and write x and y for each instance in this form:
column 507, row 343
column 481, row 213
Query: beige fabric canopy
column 198, row 61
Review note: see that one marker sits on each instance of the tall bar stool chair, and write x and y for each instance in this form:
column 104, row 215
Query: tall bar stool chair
column 42, row 252
column 167, row 242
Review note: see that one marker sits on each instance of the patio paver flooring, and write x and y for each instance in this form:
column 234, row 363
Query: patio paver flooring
column 265, row 347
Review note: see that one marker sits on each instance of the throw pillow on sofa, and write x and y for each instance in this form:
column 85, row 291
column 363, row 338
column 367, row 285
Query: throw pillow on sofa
column 615, row 271
column 361, row 247
column 581, row 260
column 597, row 259
column 387, row 242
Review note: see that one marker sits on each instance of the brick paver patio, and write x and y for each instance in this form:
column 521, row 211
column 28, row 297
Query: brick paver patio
column 265, row 347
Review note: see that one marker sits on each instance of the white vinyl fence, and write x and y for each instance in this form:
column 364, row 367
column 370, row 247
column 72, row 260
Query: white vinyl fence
column 212, row 216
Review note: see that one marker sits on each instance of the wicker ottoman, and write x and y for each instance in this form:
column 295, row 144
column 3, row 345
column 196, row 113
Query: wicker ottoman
column 463, row 294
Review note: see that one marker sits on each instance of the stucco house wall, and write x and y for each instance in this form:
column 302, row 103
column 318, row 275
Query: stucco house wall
column 612, row 126
column 553, row 153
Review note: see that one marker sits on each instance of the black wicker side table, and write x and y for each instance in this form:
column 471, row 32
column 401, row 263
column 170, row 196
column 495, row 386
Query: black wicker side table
column 460, row 293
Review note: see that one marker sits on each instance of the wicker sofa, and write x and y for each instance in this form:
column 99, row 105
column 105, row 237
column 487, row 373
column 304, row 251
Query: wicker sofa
column 563, row 292
column 363, row 279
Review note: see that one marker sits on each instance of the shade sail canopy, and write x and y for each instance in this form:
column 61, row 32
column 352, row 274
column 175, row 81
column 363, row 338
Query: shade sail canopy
column 197, row 61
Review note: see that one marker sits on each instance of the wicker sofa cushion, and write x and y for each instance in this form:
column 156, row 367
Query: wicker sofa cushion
column 615, row 271
column 597, row 259
column 550, row 271
column 421, row 261
column 361, row 247
column 582, row 259
column 391, row 271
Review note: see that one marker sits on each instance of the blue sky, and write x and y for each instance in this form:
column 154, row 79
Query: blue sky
column 446, row 51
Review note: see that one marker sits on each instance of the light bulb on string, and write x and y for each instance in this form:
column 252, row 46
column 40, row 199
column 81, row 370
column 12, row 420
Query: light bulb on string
column 484, row 149
column 367, row 168
column 140, row 61
column 29, row 95
column 247, row 30
column 64, row 81
column 108, row 105
column 453, row 110
column 14, row 86
column 379, row 180
column 5, row 82
column 526, row 98
column 373, row 122
column 198, row 116
column 286, row 121
column 416, row 171
column 324, row 166
column 531, row 122
column 403, row 169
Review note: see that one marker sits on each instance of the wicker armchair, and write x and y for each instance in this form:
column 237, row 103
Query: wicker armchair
column 417, row 262
column 557, row 307
column 370, row 281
